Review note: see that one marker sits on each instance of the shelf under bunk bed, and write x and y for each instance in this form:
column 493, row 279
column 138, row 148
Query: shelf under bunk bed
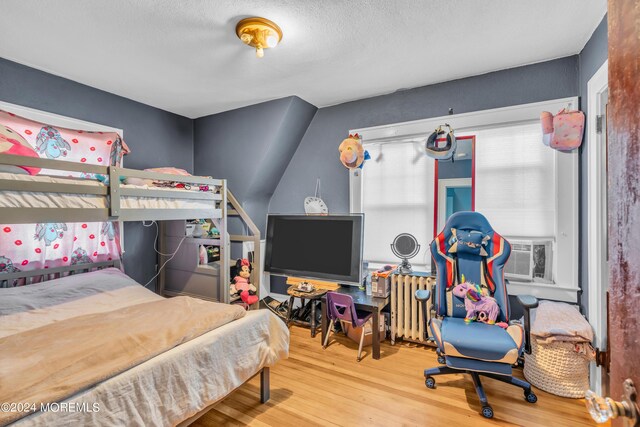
column 48, row 198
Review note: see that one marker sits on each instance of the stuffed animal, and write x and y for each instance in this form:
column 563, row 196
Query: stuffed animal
column 241, row 288
column 352, row 154
column 564, row 131
column 479, row 305
column 11, row 142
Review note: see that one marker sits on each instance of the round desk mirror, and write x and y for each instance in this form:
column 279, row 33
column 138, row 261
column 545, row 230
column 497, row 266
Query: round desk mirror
column 405, row 247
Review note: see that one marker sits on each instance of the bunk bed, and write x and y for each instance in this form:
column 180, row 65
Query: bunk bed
column 175, row 386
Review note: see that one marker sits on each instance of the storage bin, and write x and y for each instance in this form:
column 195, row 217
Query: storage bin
column 559, row 367
column 355, row 333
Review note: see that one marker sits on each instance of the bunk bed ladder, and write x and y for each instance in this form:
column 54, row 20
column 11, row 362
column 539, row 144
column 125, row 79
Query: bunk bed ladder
column 235, row 209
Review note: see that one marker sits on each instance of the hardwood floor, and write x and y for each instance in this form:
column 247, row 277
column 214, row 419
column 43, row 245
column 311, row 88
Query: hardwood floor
column 316, row 387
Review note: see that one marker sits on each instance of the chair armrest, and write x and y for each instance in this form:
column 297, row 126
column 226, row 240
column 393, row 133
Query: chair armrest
column 528, row 302
column 423, row 296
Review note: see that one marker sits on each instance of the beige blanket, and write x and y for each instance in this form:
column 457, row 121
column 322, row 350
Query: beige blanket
column 557, row 321
column 52, row 362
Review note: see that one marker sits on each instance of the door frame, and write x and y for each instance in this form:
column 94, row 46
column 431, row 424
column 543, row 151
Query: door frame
column 597, row 219
column 443, row 184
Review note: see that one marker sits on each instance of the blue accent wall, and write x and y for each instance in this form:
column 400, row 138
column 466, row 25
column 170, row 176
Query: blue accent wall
column 317, row 156
column 273, row 152
column 591, row 58
column 156, row 137
column 251, row 147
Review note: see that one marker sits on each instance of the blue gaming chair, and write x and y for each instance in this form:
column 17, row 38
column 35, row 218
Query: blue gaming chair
column 469, row 246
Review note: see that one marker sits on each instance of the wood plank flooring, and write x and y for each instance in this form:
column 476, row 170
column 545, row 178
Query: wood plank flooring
column 316, row 387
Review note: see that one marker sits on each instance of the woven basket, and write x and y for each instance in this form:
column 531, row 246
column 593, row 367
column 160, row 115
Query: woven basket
column 558, row 368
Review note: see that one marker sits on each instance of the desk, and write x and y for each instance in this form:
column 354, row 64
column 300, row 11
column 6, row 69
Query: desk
column 362, row 302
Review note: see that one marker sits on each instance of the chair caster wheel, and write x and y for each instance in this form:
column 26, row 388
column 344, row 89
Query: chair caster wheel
column 430, row 382
column 530, row 397
column 487, row 411
column 442, row 360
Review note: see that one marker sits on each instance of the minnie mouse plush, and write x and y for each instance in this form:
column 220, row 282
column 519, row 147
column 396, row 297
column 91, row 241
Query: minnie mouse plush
column 240, row 287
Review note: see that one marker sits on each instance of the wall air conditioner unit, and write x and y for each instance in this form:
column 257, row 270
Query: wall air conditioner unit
column 530, row 261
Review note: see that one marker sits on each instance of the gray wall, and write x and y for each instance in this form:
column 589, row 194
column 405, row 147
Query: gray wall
column 156, row 137
column 590, row 60
column 251, row 147
column 278, row 181
column 317, row 154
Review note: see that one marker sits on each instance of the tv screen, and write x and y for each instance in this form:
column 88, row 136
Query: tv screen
column 315, row 247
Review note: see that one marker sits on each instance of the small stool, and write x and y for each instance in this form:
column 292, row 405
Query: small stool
column 313, row 299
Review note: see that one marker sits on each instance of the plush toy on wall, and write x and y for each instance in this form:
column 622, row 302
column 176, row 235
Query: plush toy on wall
column 241, row 288
column 352, row 154
column 564, row 131
column 479, row 305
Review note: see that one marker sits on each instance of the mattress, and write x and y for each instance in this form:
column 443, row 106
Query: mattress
column 27, row 199
column 164, row 390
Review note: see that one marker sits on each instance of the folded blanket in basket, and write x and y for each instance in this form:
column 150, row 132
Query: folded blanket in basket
column 55, row 361
column 557, row 321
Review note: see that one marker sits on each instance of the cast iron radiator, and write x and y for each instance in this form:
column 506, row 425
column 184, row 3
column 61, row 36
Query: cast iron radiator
column 406, row 312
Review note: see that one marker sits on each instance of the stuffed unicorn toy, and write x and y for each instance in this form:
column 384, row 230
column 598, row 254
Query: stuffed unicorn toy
column 479, row 305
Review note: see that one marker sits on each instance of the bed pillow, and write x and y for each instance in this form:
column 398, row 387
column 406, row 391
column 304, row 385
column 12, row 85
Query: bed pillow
column 169, row 170
column 12, row 143
column 138, row 181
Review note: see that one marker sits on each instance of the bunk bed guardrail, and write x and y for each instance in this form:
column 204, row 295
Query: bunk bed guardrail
column 45, row 274
column 114, row 191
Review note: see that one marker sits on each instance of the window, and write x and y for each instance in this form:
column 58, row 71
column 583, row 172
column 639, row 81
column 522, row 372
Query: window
column 515, row 180
column 526, row 190
column 397, row 197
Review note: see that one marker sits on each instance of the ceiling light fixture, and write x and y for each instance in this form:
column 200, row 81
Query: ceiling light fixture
column 259, row 33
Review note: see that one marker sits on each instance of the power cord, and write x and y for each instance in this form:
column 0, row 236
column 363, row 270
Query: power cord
column 155, row 243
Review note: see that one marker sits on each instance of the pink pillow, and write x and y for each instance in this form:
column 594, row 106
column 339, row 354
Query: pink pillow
column 13, row 143
column 169, row 170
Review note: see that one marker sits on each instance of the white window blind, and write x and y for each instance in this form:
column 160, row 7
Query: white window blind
column 515, row 183
column 397, row 197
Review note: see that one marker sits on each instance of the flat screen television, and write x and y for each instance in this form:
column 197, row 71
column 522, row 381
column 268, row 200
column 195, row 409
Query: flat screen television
column 315, row 247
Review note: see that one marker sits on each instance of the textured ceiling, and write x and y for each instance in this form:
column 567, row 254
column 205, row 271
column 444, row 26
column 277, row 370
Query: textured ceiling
column 184, row 57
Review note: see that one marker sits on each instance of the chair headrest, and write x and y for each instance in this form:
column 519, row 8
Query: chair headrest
column 469, row 221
